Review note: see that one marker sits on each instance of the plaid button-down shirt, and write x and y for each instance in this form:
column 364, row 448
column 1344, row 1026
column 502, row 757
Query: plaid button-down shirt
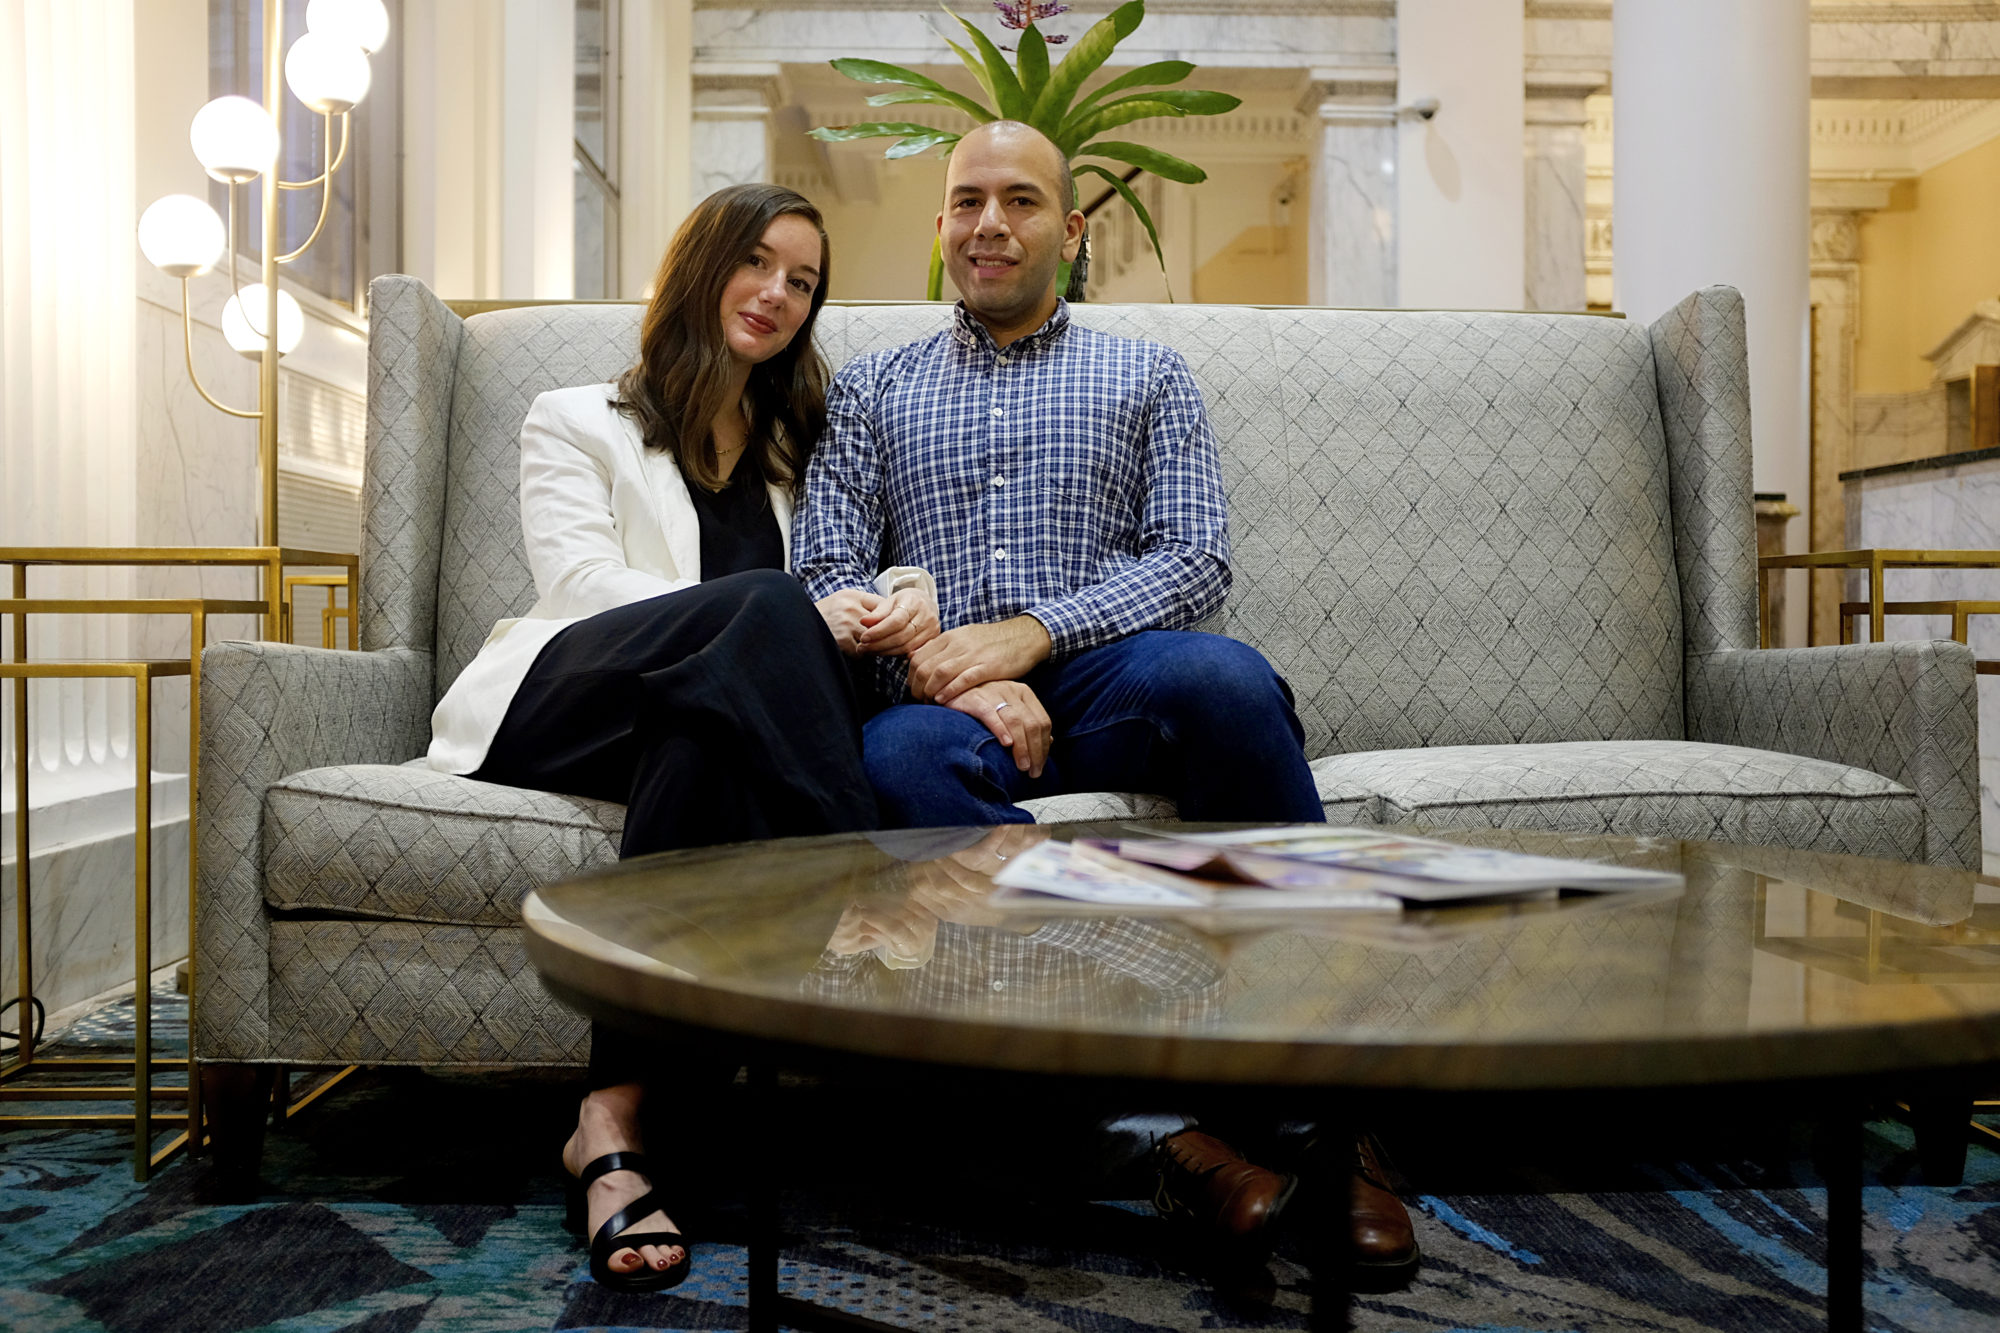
column 1071, row 475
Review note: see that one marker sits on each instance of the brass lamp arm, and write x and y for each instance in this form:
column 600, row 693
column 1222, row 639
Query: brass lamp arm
column 325, row 182
column 187, row 346
column 335, row 165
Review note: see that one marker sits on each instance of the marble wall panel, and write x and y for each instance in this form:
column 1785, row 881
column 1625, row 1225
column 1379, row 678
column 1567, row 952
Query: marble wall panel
column 84, row 919
column 1352, row 249
column 197, row 480
column 1555, row 216
column 1896, row 427
column 1954, row 508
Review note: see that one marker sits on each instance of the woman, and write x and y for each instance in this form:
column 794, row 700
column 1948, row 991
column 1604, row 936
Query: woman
column 669, row 661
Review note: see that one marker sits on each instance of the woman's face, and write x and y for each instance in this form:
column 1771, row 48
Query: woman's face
column 770, row 294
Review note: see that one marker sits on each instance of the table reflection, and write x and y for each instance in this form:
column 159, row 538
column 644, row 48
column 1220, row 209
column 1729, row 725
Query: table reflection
column 931, row 943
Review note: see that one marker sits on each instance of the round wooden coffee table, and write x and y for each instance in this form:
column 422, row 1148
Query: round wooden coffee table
column 1776, row 973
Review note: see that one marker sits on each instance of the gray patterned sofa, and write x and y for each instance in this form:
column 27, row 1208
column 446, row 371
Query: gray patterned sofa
column 1506, row 562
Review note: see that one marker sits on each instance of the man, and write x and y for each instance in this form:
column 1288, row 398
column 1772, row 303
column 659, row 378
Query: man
column 1063, row 488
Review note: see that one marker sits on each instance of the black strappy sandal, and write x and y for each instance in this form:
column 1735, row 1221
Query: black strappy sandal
column 608, row 1240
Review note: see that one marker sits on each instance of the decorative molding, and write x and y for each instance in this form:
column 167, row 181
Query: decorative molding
column 1975, row 340
column 1356, row 9
column 1570, row 11
column 1966, row 11
column 1836, row 237
column 1281, row 133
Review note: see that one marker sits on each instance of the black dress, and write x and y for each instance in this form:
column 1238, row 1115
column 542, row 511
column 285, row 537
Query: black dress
column 720, row 713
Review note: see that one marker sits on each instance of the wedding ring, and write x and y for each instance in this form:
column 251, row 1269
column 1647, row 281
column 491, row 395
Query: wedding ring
column 998, row 707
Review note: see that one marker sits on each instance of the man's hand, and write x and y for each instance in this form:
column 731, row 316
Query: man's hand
column 844, row 614
column 972, row 655
column 903, row 621
column 1016, row 718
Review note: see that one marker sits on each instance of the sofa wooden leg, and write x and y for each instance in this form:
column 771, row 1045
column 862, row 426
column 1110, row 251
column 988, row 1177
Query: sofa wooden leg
column 236, row 1105
column 1941, row 1122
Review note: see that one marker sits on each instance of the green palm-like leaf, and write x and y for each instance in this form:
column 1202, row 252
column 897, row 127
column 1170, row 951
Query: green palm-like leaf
column 1084, row 60
column 973, row 66
column 1125, row 112
column 874, row 129
column 1152, row 159
column 1139, row 106
column 909, row 97
column 1008, row 98
column 1194, row 101
column 1032, row 57
column 880, row 71
column 1125, row 193
column 917, row 143
column 1160, row 72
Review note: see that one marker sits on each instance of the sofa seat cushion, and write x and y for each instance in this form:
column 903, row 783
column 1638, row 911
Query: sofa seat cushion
column 406, row 843
column 1345, row 801
column 1677, row 789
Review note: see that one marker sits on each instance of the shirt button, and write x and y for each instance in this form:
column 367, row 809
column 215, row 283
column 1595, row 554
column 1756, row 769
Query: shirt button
column 999, row 480
column 998, row 413
column 999, row 553
column 999, row 985
column 1001, row 361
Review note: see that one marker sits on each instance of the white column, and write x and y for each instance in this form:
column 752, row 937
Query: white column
column 537, row 154
column 1712, row 137
column 731, row 142
column 489, row 114
column 1459, row 180
column 656, row 173
column 1351, row 250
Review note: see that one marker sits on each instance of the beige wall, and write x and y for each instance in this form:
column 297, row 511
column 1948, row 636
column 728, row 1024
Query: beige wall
column 1925, row 261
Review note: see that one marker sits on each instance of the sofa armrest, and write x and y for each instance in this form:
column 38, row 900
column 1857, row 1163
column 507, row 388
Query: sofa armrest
column 1907, row 710
column 269, row 709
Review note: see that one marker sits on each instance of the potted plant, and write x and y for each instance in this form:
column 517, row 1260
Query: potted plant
column 1047, row 97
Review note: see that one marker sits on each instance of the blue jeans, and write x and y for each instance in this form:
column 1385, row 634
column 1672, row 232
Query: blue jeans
column 1196, row 717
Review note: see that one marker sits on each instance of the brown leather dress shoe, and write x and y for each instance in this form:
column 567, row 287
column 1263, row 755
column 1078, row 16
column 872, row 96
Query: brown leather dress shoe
column 1208, row 1183
column 1385, row 1244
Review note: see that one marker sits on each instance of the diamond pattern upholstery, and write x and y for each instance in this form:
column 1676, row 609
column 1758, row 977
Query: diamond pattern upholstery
column 508, row 359
column 1491, row 553
column 398, row 992
column 410, row 844
column 1908, row 711
column 1677, row 789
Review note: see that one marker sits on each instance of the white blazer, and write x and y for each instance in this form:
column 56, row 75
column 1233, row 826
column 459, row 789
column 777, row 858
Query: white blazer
column 608, row 522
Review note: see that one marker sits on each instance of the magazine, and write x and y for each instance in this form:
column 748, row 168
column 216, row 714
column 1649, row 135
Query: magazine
column 1296, row 869
column 1107, row 875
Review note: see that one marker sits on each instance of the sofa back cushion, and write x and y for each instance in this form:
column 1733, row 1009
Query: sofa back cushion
column 1448, row 529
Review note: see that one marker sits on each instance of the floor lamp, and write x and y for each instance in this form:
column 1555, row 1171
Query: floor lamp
column 237, row 141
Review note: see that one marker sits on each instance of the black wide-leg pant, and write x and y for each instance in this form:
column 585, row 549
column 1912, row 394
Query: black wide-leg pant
column 720, row 713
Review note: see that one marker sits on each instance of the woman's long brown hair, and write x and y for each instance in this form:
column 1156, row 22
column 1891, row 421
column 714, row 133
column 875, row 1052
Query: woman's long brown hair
column 681, row 383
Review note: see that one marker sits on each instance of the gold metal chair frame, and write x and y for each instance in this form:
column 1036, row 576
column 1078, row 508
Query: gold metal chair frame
column 275, row 609
column 1961, row 613
column 1876, row 561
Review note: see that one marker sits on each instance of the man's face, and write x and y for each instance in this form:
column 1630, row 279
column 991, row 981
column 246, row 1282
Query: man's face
column 1006, row 228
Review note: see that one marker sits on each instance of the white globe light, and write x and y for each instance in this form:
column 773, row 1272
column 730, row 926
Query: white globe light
column 244, row 330
column 362, row 23
column 181, row 235
column 328, row 76
column 234, row 138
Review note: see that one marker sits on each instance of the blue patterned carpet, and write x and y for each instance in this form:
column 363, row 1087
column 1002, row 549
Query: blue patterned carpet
column 406, row 1201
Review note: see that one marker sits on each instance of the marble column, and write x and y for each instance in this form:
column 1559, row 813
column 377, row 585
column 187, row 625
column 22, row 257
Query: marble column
column 733, row 108
column 1712, row 140
column 1351, row 251
column 1553, row 154
column 1837, row 208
